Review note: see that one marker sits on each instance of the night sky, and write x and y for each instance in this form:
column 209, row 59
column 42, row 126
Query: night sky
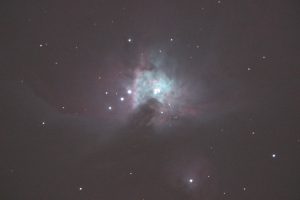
column 150, row 100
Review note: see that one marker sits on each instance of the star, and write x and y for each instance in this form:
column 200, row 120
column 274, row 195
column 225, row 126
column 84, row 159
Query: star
column 129, row 91
column 274, row 155
column 122, row 98
column 109, row 108
column 156, row 91
column 191, row 180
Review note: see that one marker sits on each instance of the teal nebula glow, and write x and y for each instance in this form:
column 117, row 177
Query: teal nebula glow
column 152, row 84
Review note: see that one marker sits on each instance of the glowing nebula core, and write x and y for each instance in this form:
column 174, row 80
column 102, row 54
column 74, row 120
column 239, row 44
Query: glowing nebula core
column 152, row 84
column 158, row 95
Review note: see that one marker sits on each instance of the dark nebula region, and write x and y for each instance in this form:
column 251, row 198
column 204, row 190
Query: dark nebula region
column 150, row 100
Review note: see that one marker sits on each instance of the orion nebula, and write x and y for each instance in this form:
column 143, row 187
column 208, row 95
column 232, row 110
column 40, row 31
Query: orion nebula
column 152, row 87
column 149, row 100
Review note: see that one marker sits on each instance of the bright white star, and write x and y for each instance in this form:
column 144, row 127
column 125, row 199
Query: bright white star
column 156, row 91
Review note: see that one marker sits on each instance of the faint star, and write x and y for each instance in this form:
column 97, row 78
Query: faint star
column 43, row 123
column 106, row 93
column 191, row 180
column 244, row 188
column 129, row 40
column 171, row 39
column 80, row 189
column 248, row 68
column 273, row 155
column 263, row 57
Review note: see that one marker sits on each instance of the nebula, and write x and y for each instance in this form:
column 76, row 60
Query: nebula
column 152, row 84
